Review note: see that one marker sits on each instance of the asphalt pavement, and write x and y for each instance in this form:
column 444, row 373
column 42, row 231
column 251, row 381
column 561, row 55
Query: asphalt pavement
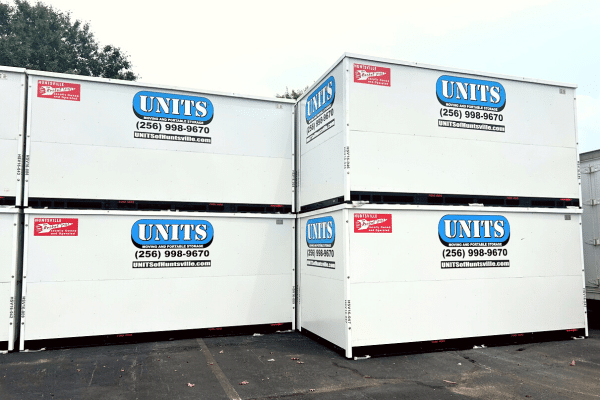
column 291, row 365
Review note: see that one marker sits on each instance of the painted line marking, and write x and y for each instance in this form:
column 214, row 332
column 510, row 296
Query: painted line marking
column 225, row 384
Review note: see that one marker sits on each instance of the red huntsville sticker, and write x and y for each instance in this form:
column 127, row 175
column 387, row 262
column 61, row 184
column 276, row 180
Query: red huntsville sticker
column 55, row 227
column 373, row 223
column 372, row 75
column 59, row 90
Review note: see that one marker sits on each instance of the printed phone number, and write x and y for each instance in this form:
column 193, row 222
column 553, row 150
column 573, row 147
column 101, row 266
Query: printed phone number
column 460, row 253
column 445, row 112
column 170, row 253
column 157, row 126
column 319, row 253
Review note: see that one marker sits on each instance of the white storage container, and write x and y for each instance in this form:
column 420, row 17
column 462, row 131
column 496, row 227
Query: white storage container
column 381, row 274
column 90, row 273
column 590, row 194
column 12, row 120
column 10, row 274
column 387, row 131
column 98, row 143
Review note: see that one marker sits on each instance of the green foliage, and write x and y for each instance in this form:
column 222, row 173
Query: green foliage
column 294, row 94
column 42, row 38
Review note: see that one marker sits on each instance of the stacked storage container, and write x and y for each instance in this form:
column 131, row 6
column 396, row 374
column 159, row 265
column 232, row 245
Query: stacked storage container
column 154, row 209
column 12, row 106
column 590, row 188
column 426, row 212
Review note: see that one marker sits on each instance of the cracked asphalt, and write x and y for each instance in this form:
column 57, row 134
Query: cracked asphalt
column 290, row 365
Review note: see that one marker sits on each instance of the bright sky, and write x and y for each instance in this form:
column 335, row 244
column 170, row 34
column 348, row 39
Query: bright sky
column 259, row 47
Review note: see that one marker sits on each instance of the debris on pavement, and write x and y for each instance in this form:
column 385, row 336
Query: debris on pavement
column 244, row 383
column 191, row 384
column 572, row 363
column 453, row 383
column 272, row 359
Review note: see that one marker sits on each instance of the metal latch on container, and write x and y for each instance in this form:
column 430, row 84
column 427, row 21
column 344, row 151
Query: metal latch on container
column 590, row 169
column 592, row 202
column 593, row 242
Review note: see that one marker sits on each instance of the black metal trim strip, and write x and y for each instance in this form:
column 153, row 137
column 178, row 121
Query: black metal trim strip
column 450, row 344
column 323, row 204
column 101, row 340
column 90, row 204
column 447, row 199
column 459, row 199
column 8, row 201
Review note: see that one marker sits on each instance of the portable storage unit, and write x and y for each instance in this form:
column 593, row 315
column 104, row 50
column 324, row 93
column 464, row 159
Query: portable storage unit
column 590, row 190
column 380, row 274
column 101, row 144
column 386, row 131
column 10, row 274
column 90, row 273
column 12, row 119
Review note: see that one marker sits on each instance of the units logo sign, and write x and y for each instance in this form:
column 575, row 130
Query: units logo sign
column 372, row 75
column 453, row 91
column 319, row 109
column 474, row 231
column 320, row 238
column 172, row 117
column 172, row 234
column 373, row 223
column 470, row 103
column 59, row 90
column 55, row 227
column 155, row 106
column 320, row 232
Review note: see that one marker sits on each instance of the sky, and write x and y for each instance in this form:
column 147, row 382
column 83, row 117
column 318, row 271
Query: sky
column 261, row 47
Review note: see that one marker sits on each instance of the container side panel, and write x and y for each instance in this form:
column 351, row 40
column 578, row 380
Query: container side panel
column 158, row 175
column 5, row 294
column 7, row 282
column 495, row 136
column 320, row 259
column 322, row 172
column 321, row 125
column 168, row 124
column 530, row 113
column 397, row 312
column 384, row 162
column 394, row 163
column 426, row 275
column 90, row 308
column 12, row 114
column 590, row 190
column 141, row 273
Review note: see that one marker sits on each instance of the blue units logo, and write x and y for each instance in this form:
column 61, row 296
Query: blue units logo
column 172, row 234
column 453, row 91
column 320, row 99
column 155, row 106
column 474, row 231
column 320, row 232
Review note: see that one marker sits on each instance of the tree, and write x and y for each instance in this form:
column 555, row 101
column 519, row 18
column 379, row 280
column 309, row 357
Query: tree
column 294, row 94
column 42, row 38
